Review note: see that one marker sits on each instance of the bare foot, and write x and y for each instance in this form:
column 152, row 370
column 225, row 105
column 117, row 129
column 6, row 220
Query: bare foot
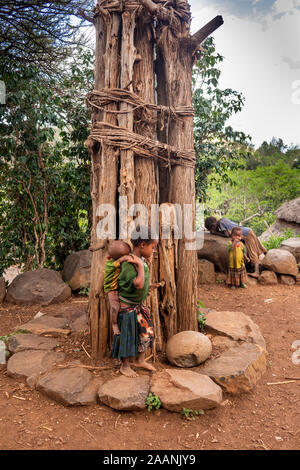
column 144, row 365
column 253, row 275
column 127, row 371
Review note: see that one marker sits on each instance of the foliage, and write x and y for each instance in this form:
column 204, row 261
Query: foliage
column 42, row 32
column 218, row 147
column 5, row 338
column 200, row 315
column 275, row 241
column 84, row 291
column 255, row 195
column 273, row 152
column 153, row 401
column 44, row 166
column 190, row 414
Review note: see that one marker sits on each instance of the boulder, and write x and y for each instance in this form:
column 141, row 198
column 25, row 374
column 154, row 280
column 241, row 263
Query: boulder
column 188, row 349
column 178, row 389
column 289, row 211
column 26, row 363
column 235, row 325
column 252, row 281
column 125, row 393
column 2, row 289
column 23, row 342
column 281, row 262
column 293, row 246
column 268, row 278
column 238, row 369
column 77, row 269
column 206, row 272
column 42, row 286
column 70, row 386
column 215, row 249
column 287, row 280
column 46, row 324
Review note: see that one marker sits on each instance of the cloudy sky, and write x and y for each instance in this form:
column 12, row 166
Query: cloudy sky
column 260, row 40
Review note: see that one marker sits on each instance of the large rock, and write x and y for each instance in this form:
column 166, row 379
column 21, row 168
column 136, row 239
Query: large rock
column 235, row 325
column 178, row 389
column 206, row 272
column 2, row 289
column 268, row 278
column 288, row 218
column 188, row 349
column 281, row 262
column 77, row 269
column 24, row 364
column 23, row 342
column 46, row 324
column 289, row 211
column 125, row 393
column 42, row 286
column 215, row 249
column 238, row 369
column 287, row 280
column 293, row 246
column 70, row 386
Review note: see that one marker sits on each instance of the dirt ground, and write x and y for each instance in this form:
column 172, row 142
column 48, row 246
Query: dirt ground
column 267, row 418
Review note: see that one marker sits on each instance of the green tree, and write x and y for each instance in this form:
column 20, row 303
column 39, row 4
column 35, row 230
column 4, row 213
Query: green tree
column 44, row 166
column 42, row 32
column 219, row 147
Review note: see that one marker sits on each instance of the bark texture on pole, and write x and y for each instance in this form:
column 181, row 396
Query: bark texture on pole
column 141, row 45
column 104, row 177
column 175, row 62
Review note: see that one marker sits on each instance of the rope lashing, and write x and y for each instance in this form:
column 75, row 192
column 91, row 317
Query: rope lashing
column 142, row 146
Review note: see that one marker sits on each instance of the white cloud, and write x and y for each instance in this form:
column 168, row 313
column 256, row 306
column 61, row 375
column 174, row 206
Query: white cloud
column 256, row 64
column 283, row 6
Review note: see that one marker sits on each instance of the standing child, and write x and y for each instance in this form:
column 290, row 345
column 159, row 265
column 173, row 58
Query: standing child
column 134, row 322
column 237, row 275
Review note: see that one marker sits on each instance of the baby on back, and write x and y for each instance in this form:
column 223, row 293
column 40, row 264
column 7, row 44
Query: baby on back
column 118, row 251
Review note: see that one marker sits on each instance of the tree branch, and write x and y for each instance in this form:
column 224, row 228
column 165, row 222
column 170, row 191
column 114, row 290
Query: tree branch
column 206, row 31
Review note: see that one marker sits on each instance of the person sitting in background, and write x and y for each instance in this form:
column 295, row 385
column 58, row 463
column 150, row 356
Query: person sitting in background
column 223, row 228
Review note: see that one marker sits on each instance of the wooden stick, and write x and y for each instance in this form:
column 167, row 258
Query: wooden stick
column 85, row 351
column 88, row 432
column 292, row 378
column 116, row 422
column 281, row 383
column 206, row 31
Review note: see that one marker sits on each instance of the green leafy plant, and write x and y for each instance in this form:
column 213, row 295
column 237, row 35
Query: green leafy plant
column 5, row 338
column 153, row 401
column 190, row 414
column 275, row 241
column 200, row 315
column 84, row 291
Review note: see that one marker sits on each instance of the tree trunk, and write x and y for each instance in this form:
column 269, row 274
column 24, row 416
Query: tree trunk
column 104, row 177
column 128, row 30
column 145, row 172
column 176, row 61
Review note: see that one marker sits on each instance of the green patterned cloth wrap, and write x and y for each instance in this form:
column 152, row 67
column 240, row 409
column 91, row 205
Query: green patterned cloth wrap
column 111, row 274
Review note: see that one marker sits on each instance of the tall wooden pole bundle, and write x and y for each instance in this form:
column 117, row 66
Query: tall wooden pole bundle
column 131, row 38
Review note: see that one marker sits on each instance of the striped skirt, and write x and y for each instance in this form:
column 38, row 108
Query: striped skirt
column 236, row 276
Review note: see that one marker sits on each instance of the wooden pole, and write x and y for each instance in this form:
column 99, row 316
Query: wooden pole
column 175, row 63
column 104, row 177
